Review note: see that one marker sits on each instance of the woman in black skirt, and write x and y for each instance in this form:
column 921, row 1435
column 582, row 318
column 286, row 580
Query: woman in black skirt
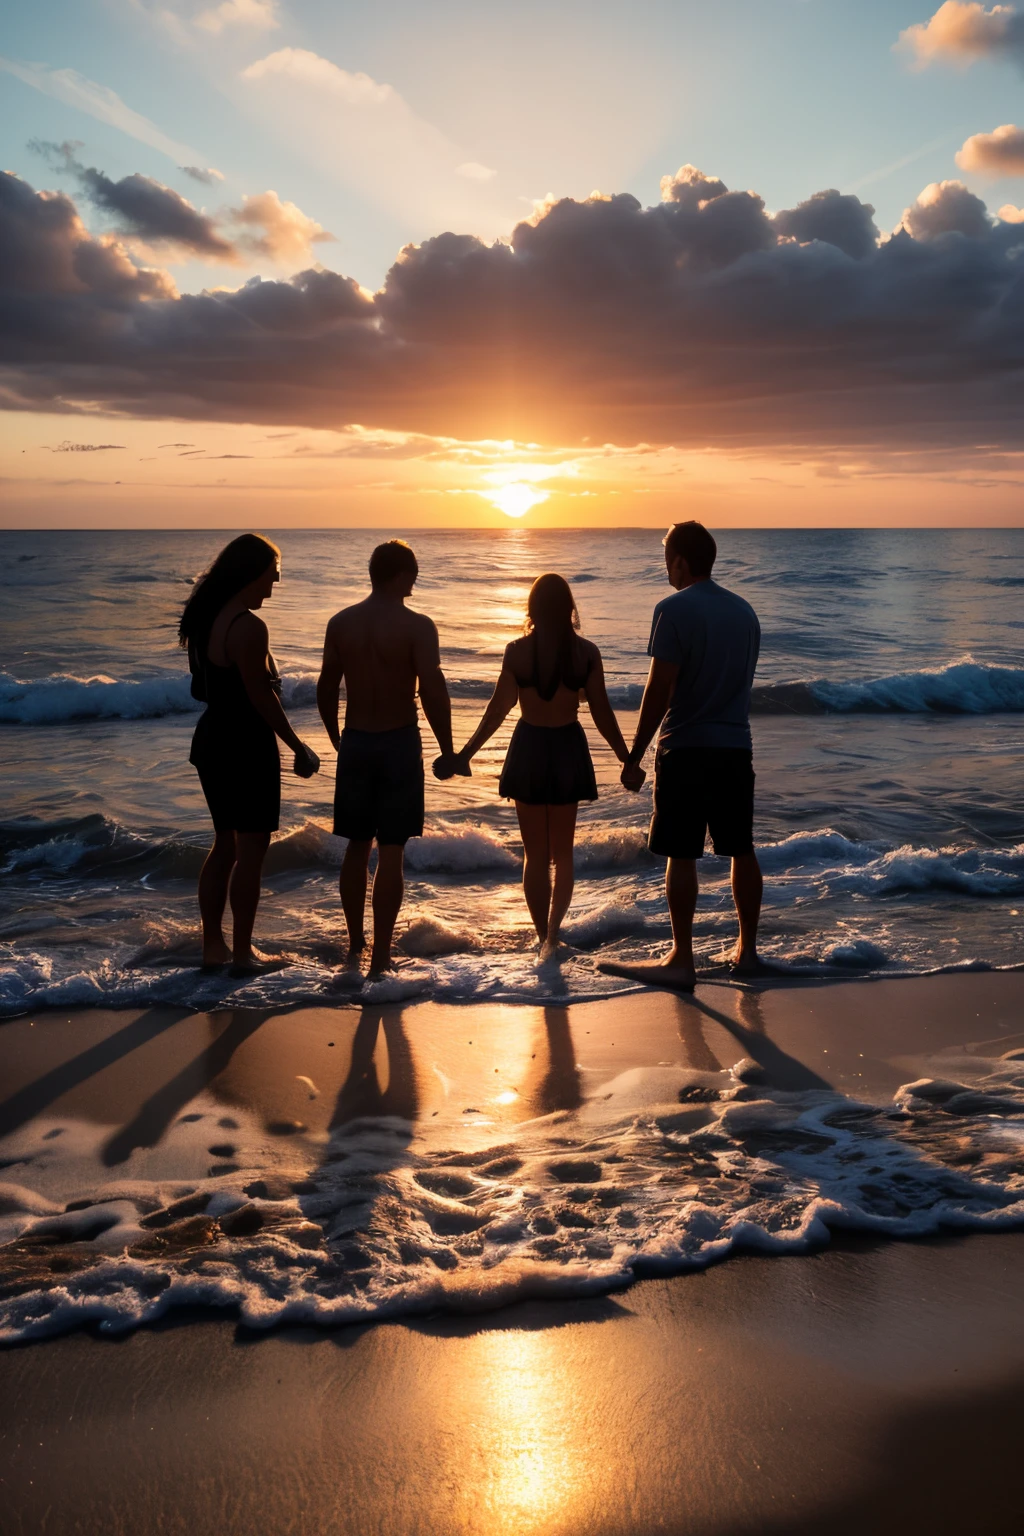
column 548, row 769
column 234, row 747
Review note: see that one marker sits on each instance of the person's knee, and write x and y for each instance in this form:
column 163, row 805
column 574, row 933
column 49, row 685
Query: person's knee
column 564, row 868
column 357, row 853
column 251, row 848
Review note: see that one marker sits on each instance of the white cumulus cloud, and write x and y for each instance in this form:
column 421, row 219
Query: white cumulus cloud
column 999, row 153
column 260, row 15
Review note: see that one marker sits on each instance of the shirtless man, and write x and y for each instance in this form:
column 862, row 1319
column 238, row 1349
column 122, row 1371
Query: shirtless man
column 381, row 650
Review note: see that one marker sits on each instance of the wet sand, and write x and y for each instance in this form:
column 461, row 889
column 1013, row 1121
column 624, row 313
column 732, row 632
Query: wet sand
column 870, row 1385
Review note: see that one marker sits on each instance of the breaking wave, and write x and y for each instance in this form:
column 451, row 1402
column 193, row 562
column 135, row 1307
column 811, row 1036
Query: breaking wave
column 965, row 687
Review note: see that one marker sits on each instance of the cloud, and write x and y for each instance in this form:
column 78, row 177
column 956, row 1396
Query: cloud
column 946, row 208
column 999, row 153
column 715, row 225
column 599, row 320
column 962, row 33
column 74, row 90
column 145, row 209
column 157, row 216
column 69, row 447
column 309, row 69
column 361, row 132
column 838, row 219
column 208, row 176
column 1011, row 215
column 261, row 15
column 288, row 234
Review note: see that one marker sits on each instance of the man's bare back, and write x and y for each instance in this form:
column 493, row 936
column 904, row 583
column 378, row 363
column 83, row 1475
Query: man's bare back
column 379, row 649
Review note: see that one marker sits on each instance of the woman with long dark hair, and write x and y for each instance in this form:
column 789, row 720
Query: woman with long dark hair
column 548, row 768
column 234, row 748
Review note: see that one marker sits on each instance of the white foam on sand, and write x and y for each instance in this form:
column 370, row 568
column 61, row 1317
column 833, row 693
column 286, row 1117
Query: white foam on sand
column 660, row 1171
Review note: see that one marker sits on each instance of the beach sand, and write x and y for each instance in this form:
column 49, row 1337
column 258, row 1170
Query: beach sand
column 869, row 1385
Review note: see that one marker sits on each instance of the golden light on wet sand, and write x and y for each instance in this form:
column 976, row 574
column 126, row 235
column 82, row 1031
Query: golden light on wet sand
column 526, row 1451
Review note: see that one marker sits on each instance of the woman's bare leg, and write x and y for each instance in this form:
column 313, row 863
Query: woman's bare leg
column 533, row 826
column 250, row 849
column 561, row 836
column 213, row 897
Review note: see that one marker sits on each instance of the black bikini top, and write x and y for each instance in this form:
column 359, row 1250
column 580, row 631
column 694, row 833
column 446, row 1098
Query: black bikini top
column 567, row 672
column 222, row 687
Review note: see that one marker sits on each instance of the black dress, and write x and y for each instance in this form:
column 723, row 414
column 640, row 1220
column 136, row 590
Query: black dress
column 234, row 750
column 550, row 764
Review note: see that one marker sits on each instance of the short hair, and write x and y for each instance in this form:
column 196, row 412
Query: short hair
column 395, row 558
column 692, row 542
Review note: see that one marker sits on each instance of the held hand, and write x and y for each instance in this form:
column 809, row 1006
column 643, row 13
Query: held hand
column 306, row 762
column 632, row 777
column 452, row 764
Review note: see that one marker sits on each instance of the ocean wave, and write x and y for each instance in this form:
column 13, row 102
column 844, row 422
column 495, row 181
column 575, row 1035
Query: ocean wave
column 659, row 1171
column 965, row 687
column 823, row 862
column 63, row 697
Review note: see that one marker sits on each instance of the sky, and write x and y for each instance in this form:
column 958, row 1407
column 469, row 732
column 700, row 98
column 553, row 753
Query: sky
column 301, row 262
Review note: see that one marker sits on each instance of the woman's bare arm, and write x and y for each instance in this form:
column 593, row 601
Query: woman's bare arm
column 248, row 647
column 601, row 710
column 506, row 692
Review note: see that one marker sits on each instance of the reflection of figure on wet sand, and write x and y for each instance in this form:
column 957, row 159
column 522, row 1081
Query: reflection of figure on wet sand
column 361, row 1095
column 699, row 1056
column 230, row 1029
column 747, row 1027
column 554, row 1084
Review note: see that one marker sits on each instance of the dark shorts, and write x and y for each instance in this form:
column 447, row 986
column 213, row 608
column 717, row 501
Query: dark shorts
column 699, row 790
column 379, row 788
column 548, row 765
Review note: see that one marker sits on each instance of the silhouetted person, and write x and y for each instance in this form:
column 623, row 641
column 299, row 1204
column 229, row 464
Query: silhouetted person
column 234, row 747
column 548, row 768
column 704, row 644
column 382, row 651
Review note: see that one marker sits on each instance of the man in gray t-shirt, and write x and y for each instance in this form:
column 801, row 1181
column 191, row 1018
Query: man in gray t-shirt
column 704, row 645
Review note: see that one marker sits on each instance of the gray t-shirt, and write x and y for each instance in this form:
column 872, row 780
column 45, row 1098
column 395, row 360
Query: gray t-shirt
column 713, row 637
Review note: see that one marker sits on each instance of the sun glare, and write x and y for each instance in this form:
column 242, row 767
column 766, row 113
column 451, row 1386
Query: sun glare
column 515, row 500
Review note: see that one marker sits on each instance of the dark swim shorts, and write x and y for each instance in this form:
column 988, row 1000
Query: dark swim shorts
column 699, row 790
column 379, row 788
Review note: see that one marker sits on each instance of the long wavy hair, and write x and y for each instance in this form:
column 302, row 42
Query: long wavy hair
column 553, row 619
column 244, row 560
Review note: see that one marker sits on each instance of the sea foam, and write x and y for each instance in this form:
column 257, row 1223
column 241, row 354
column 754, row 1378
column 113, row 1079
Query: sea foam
column 385, row 1219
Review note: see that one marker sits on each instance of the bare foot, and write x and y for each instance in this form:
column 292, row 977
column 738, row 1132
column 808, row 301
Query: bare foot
column 215, row 955
column 354, row 957
column 254, row 963
column 669, row 973
column 553, row 949
column 379, row 966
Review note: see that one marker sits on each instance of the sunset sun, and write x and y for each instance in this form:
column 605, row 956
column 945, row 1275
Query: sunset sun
column 515, row 500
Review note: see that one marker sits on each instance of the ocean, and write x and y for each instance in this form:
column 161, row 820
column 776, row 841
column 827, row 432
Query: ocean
column 531, row 1157
column 887, row 739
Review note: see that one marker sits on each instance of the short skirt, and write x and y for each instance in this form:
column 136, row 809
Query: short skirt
column 548, row 765
column 239, row 769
